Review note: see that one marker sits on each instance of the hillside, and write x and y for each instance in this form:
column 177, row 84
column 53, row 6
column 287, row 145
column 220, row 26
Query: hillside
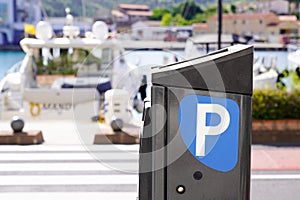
column 55, row 8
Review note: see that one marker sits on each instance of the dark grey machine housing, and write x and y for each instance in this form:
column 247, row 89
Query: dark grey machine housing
column 168, row 171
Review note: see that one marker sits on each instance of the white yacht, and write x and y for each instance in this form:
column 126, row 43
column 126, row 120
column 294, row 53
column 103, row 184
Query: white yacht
column 293, row 57
column 264, row 74
column 66, row 75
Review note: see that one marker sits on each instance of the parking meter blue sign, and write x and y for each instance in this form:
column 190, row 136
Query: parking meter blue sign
column 209, row 127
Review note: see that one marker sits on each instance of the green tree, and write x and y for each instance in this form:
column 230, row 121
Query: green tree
column 199, row 18
column 188, row 10
column 233, row 8
column 211, row 11
column 251, row 8
column 226, row 10
column 178, row 20
column 158, row 13
column 297, row 13
column 166, row 19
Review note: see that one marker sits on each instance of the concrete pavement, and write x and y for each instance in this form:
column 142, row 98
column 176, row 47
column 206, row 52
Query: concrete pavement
column 68, row 132
column 68, row 166
column 276, row 158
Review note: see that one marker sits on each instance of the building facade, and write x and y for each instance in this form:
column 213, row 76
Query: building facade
column 151, row 30
column 126, row 14
column 13, row 15
column 264, row 6
column 267, row 27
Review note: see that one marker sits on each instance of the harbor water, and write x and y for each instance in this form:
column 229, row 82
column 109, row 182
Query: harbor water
column 145, row 58
column 8, row 59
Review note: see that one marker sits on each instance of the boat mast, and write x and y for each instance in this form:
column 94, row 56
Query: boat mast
column 43, row 10
column 83, row 2
column 46, row 17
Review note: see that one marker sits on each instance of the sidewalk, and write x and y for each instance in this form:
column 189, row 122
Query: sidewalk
column 280, row 158
column 68, row 133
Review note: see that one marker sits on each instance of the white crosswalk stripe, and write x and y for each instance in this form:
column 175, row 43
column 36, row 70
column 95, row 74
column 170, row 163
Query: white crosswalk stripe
column 68, row 172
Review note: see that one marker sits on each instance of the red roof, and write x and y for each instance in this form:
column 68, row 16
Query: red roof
column 133, row 6
column 152, row 23
column 288, row 18
column 200, row 26
column 246, row 16
column 117, row 13
column 140, row 13
column 284, row 22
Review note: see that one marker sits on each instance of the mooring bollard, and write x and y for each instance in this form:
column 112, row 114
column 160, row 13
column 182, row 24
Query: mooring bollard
column 196, row 138
column 18, row 136
column 17, row 124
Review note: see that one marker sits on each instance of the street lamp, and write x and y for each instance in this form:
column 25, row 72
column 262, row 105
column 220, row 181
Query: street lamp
column 220, row 10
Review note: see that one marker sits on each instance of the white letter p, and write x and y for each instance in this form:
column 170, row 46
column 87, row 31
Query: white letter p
column 202, row 130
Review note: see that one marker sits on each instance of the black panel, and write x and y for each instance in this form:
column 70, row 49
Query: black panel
column 232, row 185
column 172, row 172
column 223, row 73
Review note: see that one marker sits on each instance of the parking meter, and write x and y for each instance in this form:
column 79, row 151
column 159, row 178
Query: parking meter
column 196, row 138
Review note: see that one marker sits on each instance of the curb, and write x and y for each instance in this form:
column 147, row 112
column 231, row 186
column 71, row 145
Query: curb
column 276, row 132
